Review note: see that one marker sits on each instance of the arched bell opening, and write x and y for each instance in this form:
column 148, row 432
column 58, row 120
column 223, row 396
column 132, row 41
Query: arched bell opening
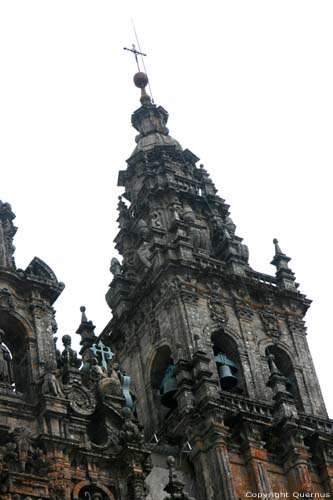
column 87, row 491
column 284, row 364
column 14, row 355
column 228, row 363
column 89, row 494
column 163, row 381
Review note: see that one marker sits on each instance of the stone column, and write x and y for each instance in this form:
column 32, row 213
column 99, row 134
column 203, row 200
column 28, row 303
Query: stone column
column 324, row 454
column 256, row 457
column 210, row 435
column 296, row 458
column 198, row 457
column 220, row 468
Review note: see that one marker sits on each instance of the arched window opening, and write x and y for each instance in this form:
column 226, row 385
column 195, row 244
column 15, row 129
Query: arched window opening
column 85, row 490
column 14, row 365
column 163, row 381
column 285, row 366
column 228, row 363
column 91, row 493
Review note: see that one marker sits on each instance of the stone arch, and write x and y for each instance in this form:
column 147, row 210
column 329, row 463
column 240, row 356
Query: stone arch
column 228, row 345
column 159, row 360
column 15, row 337
column 285, row 365
column 86, row 485
column 151, row 360
column 162, row 359
column 265, row 343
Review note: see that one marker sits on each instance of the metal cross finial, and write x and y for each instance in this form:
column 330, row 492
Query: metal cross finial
column 104, row 351
column 136, row 54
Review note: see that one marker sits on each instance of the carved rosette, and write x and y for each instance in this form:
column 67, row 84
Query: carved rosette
column 81, row 400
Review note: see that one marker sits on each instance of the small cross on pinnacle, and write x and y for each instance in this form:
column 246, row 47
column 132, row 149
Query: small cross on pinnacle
column 136, row 54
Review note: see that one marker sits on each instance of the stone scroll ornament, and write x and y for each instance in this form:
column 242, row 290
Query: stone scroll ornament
column 217, row 310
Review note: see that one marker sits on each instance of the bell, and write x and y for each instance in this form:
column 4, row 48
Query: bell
column 168, row 388
column 227, row 379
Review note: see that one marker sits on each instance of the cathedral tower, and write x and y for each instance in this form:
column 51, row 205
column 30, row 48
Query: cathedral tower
column 221, row 369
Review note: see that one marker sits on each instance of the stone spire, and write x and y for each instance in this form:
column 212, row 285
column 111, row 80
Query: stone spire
column 150, row 121
column 86, row 332
column 7, row 232
column 285, row 276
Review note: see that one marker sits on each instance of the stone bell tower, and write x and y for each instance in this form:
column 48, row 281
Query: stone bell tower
column 217, row 351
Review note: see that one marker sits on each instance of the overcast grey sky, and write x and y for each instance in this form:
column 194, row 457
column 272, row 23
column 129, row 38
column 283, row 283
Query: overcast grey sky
column 248, row 85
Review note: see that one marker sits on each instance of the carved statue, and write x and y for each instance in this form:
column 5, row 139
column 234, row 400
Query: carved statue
column 8, row 232
column 18, row 451
column 196, row 235
column 175, row 486
column 6, row 374
column 130, row 432
column 41, row 464
column 97, row 372
column 10, row 455
column 144, row 254
column 50, row 383
column 124, row 218
column 107, row 382
column 115, row 267
column 230, row 225
column 272, row 365
column 142, row 230
column 57, row 352
column 69, row 356
column 111, row 384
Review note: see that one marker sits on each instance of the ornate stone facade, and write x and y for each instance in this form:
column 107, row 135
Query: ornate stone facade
column 66, row 431
column 204, row 358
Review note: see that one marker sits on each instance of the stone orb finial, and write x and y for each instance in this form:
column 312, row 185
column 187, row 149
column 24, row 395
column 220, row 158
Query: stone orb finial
column 140, row 80
column 171, row 461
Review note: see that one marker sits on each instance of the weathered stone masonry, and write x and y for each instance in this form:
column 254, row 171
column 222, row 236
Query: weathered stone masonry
column 204, row 358
column 217, row 351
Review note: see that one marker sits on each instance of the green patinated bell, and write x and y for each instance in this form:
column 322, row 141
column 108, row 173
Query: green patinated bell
column 226, row 369
column 168, row 388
